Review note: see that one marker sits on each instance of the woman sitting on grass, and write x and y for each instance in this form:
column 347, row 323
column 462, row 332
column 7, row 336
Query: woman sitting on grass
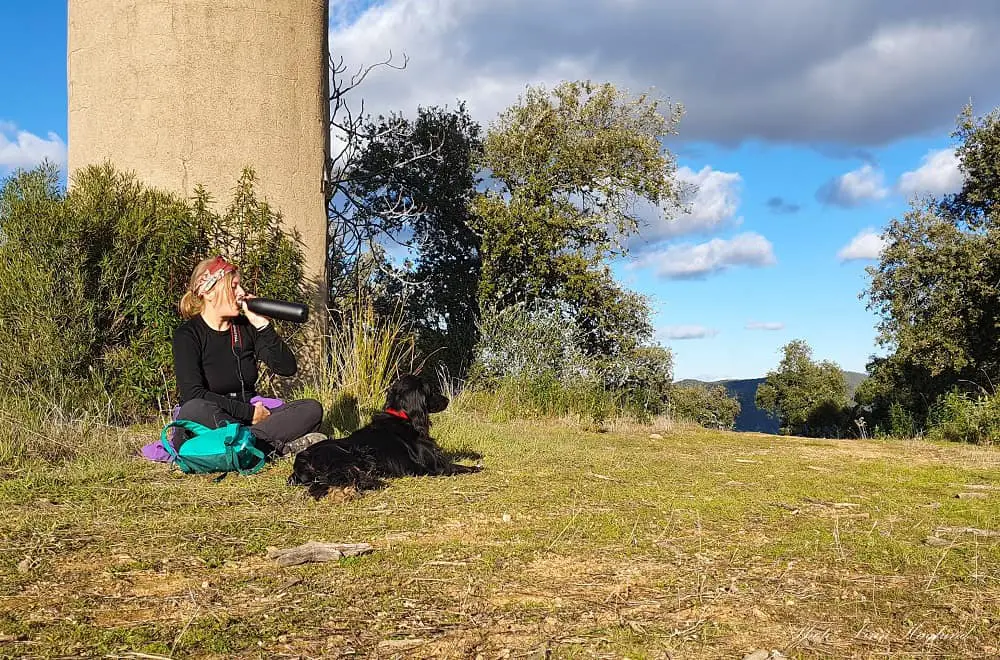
column 215, row 358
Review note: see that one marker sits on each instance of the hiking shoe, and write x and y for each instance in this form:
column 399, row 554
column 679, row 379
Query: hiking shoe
column 301, row 444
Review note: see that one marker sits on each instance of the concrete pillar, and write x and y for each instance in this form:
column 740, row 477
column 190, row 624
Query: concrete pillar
column 190, row 91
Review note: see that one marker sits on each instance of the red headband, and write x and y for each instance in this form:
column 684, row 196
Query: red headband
column 215, row 272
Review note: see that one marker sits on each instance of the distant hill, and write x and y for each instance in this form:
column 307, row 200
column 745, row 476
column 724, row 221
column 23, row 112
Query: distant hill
column 752, row 418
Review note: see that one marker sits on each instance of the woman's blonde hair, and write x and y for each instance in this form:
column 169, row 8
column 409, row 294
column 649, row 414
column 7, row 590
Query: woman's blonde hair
column 192, row 304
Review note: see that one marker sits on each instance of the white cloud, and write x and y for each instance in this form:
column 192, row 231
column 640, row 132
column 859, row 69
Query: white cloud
column 688, row 332
column 709, row 199
column 768, row 326
column 854, row 71
column 937, row 175
column 442, row 69
column 695, row 261
column 21, row 149
column 867, row 245
column 865, row 184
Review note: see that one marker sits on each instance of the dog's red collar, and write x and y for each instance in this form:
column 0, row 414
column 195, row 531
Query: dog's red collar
column 396, row 413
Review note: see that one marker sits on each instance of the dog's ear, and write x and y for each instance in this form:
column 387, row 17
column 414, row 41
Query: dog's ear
column 401, row 392
column 409, row 394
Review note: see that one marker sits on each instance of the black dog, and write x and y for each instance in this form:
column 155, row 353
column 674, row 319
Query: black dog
column 396, row 443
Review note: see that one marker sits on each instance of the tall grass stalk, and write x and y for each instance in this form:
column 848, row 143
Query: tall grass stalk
column 365, row 353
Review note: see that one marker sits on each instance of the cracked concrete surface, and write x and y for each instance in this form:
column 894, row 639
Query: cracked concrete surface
column 190, row 91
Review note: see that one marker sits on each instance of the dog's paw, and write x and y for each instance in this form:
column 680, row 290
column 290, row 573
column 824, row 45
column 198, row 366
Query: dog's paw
column 318, row 491
column 349, row 494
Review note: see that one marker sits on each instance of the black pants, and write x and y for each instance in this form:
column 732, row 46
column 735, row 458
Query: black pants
column 285, row 423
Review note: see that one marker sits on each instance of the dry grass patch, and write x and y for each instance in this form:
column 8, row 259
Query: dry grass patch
column 572, row 543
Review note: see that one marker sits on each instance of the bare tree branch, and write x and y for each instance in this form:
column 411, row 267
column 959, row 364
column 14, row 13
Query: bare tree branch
column 356, row 225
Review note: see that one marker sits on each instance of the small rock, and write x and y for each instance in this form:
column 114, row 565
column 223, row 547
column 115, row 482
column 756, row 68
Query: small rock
column 506, row 517
column 655, row 436
column 24, row 565
column 759, row 654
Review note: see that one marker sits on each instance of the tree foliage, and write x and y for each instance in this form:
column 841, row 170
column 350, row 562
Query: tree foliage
column 412, row 184
column 936, row 288
column 563, row 172
column 566, row 168
column 808, row 397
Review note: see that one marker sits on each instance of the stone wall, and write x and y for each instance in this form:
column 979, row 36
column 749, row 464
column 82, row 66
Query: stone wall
column 190, row 91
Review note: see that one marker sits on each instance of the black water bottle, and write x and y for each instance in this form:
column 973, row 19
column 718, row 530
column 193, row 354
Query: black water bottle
column 278, row 309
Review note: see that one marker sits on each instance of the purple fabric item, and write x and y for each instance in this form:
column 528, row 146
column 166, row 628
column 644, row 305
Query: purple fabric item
column 270, row 404
column 154, row 451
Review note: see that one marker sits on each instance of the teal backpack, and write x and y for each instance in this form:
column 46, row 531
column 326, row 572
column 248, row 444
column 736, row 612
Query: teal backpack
column 229, row 448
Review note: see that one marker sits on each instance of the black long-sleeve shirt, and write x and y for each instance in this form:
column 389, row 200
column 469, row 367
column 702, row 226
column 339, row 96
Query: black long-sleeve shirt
column 208, row 365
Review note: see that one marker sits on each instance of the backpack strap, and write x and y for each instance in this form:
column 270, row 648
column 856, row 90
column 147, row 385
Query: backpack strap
column 187, row 425
column 250, row 448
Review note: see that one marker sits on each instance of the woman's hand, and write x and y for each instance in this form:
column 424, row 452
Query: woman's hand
column 256, row 320
column 260, row 413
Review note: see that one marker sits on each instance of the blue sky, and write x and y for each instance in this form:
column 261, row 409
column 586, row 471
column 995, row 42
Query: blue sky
column 808, row 125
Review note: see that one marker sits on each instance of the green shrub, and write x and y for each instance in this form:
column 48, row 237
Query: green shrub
column 641, row 378
column 47, row 321
column 252, row 235
column 961, row 417
column 901, row 422
column 90, row 279
column 526, row 343
column 808, row 397
column 541, row 397
column 709, row 407
column 532, row 358
column 141, row 245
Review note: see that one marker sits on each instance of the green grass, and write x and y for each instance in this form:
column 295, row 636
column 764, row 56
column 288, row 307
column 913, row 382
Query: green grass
column 570, row 544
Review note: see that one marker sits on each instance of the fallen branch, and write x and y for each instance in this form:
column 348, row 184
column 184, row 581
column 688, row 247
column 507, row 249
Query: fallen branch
column 315, row 551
